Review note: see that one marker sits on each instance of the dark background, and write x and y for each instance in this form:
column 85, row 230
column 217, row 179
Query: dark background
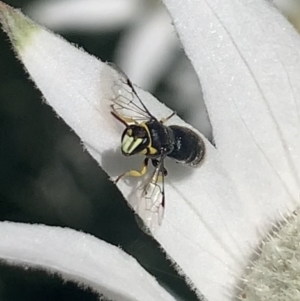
column 47, row 178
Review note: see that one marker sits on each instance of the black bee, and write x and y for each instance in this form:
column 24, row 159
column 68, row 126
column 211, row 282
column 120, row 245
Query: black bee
column 144, row 134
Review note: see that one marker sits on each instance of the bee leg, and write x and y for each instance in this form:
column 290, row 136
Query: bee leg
column 134, row 173
column 122, row 119
column 155, row 164
column 163, row 120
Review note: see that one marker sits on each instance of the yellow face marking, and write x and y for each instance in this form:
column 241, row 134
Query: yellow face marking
column 129, row 144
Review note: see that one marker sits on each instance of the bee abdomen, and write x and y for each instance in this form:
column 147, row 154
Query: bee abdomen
column 189, row 148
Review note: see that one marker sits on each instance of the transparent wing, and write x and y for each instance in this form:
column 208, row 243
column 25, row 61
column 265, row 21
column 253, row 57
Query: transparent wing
column 126, row 102
column 151, row 204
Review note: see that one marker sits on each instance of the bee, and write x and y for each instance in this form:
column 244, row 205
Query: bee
column 145, row 135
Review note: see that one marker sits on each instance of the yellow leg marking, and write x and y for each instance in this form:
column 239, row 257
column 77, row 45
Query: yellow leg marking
column 134, row 173
column 163, row 120
column 122, row 119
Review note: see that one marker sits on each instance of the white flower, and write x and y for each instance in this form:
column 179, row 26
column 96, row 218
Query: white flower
column 247, row 58
column 143, row 23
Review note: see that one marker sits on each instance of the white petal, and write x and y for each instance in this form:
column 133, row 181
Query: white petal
column 84, row 14
column 203, row 218
column 148, row 49
column 247, row 57
column 81, row 258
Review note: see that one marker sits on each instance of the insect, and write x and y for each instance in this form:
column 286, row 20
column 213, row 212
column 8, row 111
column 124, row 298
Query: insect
column 144, row 134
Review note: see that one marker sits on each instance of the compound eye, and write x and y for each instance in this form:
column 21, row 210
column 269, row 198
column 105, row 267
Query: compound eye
column 140, row 133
